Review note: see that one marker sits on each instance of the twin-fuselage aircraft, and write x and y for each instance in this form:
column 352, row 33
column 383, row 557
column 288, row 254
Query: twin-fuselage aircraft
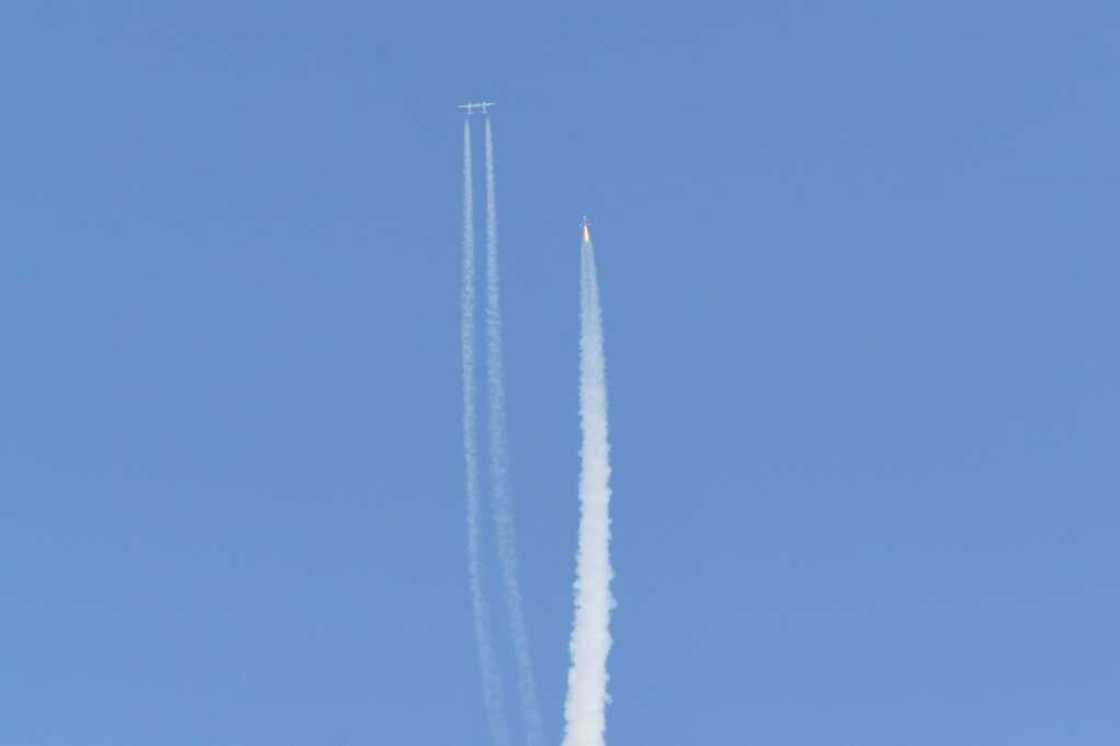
column 472, row 106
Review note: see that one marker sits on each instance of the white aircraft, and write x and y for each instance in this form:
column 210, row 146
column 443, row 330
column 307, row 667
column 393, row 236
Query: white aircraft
column 472, row 106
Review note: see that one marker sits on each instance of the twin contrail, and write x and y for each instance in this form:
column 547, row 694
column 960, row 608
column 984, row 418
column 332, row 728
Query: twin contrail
column 585, row 709
column 500, row 482
column 488, row 662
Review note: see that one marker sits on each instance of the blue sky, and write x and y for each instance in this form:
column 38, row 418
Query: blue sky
column 858, row 271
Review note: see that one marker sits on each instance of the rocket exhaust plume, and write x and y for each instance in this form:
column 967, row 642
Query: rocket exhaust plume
column 499, row 464
column 585, row 709
column 488, row 662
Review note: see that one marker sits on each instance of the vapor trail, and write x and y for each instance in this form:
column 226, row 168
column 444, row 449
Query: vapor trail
column 499, row 464
column 488, row 662
column 585, row 709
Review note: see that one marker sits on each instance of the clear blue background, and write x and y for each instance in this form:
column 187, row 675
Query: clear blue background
column 858, row 263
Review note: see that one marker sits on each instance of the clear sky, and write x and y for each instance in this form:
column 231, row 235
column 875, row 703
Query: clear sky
column 858, row 266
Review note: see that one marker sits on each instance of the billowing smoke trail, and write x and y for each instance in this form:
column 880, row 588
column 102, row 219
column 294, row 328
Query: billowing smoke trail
column 499, row 464
column 585, row 709
column 488, row 662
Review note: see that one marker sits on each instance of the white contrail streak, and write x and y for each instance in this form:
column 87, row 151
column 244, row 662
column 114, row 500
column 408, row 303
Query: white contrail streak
column 585, row 709
column 499, row 464
column 488, row 662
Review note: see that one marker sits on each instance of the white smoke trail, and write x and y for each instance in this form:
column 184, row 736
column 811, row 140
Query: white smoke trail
column 585, row 709
column 499, row 464
column 488, row 662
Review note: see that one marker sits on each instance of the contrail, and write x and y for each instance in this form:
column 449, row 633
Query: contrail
column 499, row 464
column 488, row 662
column 585, row 709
